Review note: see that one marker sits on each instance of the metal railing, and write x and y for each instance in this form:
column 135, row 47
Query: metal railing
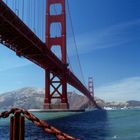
column 17, row 125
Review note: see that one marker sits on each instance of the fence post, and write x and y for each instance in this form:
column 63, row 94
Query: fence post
column 11, row 127
column 22, row 128
column 17, row 127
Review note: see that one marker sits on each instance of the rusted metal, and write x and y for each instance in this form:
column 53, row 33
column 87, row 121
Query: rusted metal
column 17, row 121
column 11, row 127
column 16, row 126
column 22, row 127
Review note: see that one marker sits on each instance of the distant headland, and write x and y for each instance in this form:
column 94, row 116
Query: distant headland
column 32, row 98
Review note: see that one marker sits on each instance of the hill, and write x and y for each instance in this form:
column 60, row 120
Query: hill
column 33, row 98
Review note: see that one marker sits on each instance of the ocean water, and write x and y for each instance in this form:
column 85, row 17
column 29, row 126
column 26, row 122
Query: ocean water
column 93, row 125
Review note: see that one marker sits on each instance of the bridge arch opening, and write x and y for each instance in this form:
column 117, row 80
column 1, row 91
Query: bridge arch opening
column 56, row 9
column 56, row 30
column 57, row 51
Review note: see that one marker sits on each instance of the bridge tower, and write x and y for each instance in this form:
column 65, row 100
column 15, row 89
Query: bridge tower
column 91, row 86
column 56, row 87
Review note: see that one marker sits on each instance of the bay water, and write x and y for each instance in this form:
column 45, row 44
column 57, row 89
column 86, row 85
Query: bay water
column 91, row 125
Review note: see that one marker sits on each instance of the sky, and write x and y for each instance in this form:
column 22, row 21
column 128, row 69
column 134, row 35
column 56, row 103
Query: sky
column 107, row 33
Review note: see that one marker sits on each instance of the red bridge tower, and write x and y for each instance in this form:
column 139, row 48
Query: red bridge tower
column 56, row 87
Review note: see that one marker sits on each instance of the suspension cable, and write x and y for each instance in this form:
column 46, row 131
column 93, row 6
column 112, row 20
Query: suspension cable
column 75, row 42
column 60, row 30
column 34, row 17
column 43, row 22
column 23, row 10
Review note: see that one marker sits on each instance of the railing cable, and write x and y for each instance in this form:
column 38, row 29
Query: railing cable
column 42, row 124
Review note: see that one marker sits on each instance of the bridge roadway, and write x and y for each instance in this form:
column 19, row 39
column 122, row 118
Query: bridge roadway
column 15, row 35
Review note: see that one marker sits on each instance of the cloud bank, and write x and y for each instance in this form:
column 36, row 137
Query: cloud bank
column 124, row 90
column 113, row 36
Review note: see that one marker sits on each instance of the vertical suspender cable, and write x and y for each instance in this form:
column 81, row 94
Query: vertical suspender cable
column 55, row 10
column 37, row 19
column 23, row 10
column 29, row 13
column 31, row 16
column 15, row 5
column 34, row 16
column 43, row 21
column 75, row 42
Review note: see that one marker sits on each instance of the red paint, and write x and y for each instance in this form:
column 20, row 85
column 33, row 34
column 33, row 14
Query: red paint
column 59, row 91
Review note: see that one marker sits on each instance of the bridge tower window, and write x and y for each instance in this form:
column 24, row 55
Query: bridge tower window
column 55, row 9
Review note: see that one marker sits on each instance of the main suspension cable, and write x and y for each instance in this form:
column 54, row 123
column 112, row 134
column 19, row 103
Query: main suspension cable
column 75, row 41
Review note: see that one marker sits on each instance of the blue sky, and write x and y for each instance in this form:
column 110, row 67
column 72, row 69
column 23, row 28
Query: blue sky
column 108, row 38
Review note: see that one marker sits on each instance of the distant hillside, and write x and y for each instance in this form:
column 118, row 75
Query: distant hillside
column 134, row 103
column 33, row 98
column 23, row 98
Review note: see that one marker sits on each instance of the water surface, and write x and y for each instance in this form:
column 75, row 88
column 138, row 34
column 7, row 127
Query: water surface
column 94, row 125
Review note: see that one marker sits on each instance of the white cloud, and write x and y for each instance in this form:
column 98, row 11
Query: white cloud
column 126, row 89
column 113, row 36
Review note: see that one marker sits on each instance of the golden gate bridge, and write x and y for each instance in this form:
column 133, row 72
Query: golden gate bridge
column 17, row 36
column 33, row 32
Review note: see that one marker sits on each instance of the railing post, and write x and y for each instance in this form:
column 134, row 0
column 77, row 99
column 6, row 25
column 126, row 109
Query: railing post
column 11, row 127
column 17, row 127
column 22, row 128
